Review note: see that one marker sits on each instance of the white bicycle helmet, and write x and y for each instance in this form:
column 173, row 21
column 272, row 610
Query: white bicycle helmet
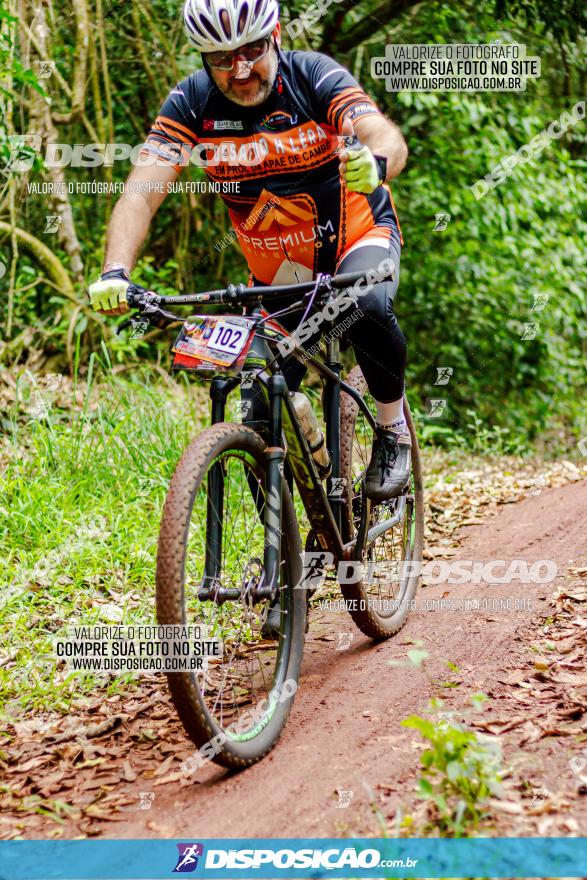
column 217, row 25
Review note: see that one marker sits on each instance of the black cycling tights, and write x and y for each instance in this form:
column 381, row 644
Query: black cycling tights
column 378, row 342
column 376, row 337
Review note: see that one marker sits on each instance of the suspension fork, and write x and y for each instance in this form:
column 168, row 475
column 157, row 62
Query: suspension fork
column 219, row 390
column 275, row 458
column 332, row 417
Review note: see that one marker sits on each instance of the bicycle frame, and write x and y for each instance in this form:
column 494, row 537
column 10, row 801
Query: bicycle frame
column 324, row 509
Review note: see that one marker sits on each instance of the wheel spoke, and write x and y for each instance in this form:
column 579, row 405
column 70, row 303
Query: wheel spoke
column 246, row 674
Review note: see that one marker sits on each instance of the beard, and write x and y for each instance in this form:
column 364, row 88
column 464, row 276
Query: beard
column 262, row 86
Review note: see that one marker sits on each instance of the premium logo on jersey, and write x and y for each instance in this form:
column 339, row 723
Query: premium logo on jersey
column 278, row 119
column 222, row 124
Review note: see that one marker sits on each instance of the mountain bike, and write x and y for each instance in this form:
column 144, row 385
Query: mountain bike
column 229, row 541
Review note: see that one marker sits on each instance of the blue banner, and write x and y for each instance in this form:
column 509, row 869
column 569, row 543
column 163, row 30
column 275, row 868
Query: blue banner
column 304, row 858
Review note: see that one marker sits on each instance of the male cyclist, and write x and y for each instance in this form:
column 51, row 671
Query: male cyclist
column 270, row 122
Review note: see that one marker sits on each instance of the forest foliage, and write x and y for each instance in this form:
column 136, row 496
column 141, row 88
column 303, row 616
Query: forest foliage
column 467, row 294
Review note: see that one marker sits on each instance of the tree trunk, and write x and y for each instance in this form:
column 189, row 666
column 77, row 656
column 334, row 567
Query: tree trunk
column 58, row 202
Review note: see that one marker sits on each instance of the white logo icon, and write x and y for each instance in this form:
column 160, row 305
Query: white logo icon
column 530, row 331
column 539, row 303
column 444, row 374
column 344, row 799
column 52, row 222
column 337, row 486
column 442, row 221
column 146, row 799
column 436, row 408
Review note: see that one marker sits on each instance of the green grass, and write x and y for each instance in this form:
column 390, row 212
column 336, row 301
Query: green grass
column 80, row 505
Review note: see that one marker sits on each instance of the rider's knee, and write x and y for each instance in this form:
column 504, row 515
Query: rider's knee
column 376, row 303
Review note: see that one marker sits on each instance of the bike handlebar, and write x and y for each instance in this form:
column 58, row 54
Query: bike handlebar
column 240, row 294
column 149, row 303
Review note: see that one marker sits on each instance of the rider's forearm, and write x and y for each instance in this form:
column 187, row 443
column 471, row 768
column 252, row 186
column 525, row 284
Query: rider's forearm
column 384, row 138
column 128, row 230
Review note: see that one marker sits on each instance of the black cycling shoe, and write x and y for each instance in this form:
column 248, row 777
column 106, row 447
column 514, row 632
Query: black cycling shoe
column 389, row 469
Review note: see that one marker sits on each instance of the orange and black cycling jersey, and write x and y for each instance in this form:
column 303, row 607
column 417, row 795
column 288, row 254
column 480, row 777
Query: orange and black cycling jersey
column 291, row 212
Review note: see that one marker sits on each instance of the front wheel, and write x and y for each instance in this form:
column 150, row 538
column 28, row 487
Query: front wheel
column 212, row 532
column 383, row 592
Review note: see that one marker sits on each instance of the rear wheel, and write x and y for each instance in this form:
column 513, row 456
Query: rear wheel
column 237, row 707
column 384, row 593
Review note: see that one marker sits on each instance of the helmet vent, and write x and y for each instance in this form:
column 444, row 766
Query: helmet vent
column 195, row 26
column 225, row 22
column 210, row 28
column 224, row 25
column 242, row 19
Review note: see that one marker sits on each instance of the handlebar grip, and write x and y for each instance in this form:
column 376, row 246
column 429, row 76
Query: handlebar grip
column 133, row 293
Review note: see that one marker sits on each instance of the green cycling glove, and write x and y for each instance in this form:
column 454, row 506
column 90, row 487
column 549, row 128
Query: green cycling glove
column 108, row 295
column 362, row 171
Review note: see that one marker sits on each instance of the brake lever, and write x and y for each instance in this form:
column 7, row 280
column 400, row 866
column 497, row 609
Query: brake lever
column 124, row 325
column 158, row 317
column 148, row 313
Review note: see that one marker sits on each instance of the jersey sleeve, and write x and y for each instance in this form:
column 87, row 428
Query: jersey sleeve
column 338, row 94
column 172, row 138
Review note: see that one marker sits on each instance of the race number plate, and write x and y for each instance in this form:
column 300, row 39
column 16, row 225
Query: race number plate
column 213, row 342
column 228, row 339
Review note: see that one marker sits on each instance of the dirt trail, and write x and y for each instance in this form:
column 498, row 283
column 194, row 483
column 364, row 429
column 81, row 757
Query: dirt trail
column 343, row 749
column 344, row 733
